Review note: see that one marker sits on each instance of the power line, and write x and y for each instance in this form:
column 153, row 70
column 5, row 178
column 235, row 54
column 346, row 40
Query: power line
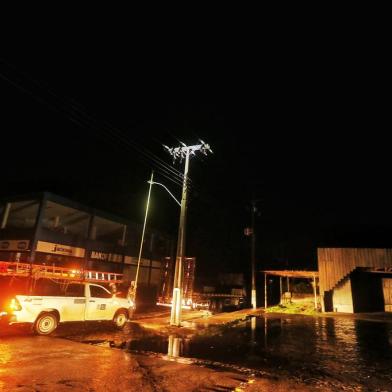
column 75, row 113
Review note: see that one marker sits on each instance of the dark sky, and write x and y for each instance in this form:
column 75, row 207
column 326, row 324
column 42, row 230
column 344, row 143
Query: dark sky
column 308, row 139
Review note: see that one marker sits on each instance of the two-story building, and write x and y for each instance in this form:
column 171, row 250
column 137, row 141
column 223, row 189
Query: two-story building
column 49, row 229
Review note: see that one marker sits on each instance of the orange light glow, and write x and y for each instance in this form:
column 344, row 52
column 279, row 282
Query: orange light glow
column 15, row 305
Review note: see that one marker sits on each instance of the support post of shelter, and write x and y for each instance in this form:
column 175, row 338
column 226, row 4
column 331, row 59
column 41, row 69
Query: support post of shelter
column 288, row 284
column 315, row 291
column 265, row 291
column 280, row 287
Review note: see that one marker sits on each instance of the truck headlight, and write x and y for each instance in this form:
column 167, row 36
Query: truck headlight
column 15, row 304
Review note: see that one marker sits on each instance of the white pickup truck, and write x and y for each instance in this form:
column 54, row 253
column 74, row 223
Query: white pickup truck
column 77, row 302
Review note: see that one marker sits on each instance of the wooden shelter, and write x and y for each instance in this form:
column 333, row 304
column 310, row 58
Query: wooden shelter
column 313, row 275
column 355, row 279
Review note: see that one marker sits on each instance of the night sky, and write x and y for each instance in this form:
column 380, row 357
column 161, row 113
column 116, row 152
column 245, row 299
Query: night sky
column 308, row 141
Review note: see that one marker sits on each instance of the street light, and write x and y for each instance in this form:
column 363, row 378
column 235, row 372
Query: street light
column 171, row 194
column 133, row 290
column 176, row 298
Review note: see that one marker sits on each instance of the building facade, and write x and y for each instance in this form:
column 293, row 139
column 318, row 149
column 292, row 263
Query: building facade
column 52, row 230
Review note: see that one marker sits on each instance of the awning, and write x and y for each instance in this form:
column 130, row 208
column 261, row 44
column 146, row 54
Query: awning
column 292, row 274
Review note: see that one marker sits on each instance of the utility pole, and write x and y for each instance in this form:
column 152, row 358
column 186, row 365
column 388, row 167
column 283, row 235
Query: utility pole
column 182, row 152
column 253, row 255
column 252, row 232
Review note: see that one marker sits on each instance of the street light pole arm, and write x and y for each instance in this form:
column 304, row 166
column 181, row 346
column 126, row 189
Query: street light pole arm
column 171, row 194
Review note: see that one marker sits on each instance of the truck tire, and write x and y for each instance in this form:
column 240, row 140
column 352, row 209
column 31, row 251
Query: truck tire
column 45, row 324
column 120, row 319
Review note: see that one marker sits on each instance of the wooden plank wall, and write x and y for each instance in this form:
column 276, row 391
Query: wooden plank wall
column 342, row 298
column 387, row 289
column 336, row 263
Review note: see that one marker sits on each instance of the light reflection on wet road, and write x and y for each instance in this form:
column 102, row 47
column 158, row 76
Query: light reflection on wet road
column 350, row 351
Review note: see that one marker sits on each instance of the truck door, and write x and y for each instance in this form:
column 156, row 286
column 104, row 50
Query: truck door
column 99, row 303
column 72, row 305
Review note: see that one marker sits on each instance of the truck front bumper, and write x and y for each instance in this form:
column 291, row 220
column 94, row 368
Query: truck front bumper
column 4, row 318
column 7, row 318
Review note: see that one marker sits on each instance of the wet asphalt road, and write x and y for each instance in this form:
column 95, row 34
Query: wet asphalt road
column 351, row 354
column 354, row 353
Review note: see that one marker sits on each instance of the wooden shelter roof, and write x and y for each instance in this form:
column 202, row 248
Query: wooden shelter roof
column 292, row 274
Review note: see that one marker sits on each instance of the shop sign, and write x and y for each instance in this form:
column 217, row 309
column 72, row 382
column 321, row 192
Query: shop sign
column 18, row 245
column 134, row 261
column 113, row 257
column 59, row 249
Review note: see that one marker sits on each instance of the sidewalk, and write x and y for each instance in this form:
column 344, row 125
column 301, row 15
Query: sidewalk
column 384, row 317
column 159, row 320
column 191, row 319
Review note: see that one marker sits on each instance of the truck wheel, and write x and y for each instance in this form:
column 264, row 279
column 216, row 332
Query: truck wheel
column 45, row 324
column 120, row 319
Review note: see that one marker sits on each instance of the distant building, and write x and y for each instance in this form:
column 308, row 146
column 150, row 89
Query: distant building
column 355, row 279
column 49, row 229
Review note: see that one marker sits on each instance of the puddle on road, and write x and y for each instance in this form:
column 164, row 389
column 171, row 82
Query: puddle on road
column 350, row 351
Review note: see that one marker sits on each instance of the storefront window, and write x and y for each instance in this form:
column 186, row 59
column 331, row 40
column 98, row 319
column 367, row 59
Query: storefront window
column 65, row 219
column 132, row 238
column 22, row 214
column 107, row 231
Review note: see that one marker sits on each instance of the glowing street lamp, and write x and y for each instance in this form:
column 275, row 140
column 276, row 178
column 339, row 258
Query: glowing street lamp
column 171, row 194
column 133, row 289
